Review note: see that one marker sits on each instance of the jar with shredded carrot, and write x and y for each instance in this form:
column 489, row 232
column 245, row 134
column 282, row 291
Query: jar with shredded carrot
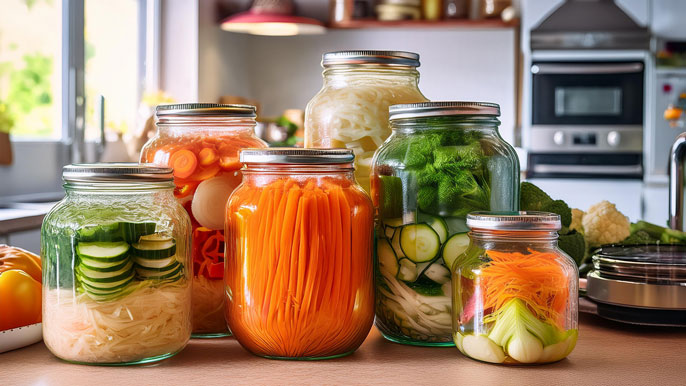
column 201, row 142
column 515, row 293
column 299, row 273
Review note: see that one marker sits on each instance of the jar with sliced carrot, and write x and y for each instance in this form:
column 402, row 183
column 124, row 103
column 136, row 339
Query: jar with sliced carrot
column 299, row 272
column 201, row 141
column 515, row 293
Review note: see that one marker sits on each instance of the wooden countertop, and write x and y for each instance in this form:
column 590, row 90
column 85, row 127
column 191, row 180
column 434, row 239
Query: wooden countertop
column 607, row 353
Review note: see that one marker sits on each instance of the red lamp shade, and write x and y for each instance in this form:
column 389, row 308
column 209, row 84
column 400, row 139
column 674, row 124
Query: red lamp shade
column 259, row 22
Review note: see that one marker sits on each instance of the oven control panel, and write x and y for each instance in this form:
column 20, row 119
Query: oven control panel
column 587, row 138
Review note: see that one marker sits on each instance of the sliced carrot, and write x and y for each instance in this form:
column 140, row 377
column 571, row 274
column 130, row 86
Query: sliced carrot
column 230, row 163
column 204, row 173
column 207, row 156
column 184, row 163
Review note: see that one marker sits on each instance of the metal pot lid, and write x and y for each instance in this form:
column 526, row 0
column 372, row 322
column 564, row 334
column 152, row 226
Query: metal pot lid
column 645, row 254
column 514, row 221
column 296, row 156
column 371, row 57
column 433, row 109
column 635, row 294
column 124, row 172
column 205, row 110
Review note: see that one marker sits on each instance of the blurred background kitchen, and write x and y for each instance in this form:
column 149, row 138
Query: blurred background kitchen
column 591, row 91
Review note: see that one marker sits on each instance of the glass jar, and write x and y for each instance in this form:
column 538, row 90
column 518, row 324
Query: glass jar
column 443, row 160
column 299, row 255
column 515, row 297
column 116, row 266
column 201, row 142
column 351, row 109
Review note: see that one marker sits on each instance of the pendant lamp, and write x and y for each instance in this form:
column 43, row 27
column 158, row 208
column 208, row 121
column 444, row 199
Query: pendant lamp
column 272, row 18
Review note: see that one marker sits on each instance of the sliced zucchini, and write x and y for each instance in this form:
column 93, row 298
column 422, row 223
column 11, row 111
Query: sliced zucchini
column 103, row 266
column 419, row 242
column 132, row 231
column 154, row 249
column 388, row 262
column 103, row 251
column 122, row 275
column 97, row 275
column 408, row 270
column 160, row 274
column 437, row 223
column 102, row 232
column 438, row 273
column 395, row 244
column 103, row 285
column 454, row 247
column 393, row 222
column 102, row 291
column 154, row 263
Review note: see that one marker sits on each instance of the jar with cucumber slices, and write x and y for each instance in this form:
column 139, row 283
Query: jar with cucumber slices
column 442, row 161
column 516, row 293
column 116, row 266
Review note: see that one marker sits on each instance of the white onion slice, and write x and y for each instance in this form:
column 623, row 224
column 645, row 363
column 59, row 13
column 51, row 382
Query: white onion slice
column 209, row 200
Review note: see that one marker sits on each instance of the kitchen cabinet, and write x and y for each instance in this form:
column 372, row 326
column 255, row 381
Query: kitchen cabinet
column 607, row 353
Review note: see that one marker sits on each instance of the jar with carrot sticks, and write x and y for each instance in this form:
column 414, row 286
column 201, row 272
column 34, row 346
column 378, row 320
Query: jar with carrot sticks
column 201, row 141
column 515, row 293
column 299, row 271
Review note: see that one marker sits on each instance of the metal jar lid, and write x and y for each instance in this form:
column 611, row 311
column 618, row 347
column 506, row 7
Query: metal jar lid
column 295, row 156
column 364, row 57
column 201, row 110
column 433, row 109
column 114, row 173
column 514, row 221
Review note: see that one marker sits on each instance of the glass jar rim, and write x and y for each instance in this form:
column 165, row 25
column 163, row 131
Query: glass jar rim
column 291, row 156
column 523, row 221
column 117, row 176
column 443, row 109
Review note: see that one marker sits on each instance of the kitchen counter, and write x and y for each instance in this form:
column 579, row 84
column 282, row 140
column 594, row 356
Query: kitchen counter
column 607, row 353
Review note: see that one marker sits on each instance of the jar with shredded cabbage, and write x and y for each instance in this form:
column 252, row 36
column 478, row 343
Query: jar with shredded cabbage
column 116, row 267
column 351, row 109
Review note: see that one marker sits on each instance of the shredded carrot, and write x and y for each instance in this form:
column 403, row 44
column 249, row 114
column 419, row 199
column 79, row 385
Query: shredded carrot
column 299, row 267
column 537, row 278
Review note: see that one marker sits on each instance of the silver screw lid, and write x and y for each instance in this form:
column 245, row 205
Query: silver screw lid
column 371, row 57
column 204, row 110
column 514, row 221
column 294, row 156
column 124, row 172
column 432, row 109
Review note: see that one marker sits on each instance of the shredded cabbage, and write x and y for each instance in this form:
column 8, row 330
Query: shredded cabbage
column 420, row 317
column 356, row 117
column 208, row 306
column 147, row 322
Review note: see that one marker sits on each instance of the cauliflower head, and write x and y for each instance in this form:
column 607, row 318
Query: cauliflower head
column 604, row 224
column 577, row 216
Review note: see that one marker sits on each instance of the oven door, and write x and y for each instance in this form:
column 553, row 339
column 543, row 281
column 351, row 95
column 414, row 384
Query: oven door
column 587, row 93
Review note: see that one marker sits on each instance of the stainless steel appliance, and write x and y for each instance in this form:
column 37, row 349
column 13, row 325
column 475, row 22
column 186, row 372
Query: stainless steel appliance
column 586, row 92
column 587, row 119
column 640, row 284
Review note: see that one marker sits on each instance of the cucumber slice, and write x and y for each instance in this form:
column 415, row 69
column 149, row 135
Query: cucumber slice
column 454, row 247
column 103, row 251
column 438, row 273
column 104, row 284
column 155, row 238
column 393, row 222
column 408, row 270
column 154, row 263
column 152, row 274
column 98, row 275
column 103, row 290
column 154, row 250
column 102, row 232
column 437, row 223
column 106, row 266
column 388, row 262
column 456, row 225
column 132, row 231
column 395, row 244
column 419, row 242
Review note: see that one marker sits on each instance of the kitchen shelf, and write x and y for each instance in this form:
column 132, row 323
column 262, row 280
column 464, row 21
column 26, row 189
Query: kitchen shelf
column 607, row 353
column 457, row 23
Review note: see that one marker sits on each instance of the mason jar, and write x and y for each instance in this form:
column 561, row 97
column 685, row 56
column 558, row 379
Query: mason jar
column 200, row 141
column 299, row 266
column 516, row 294
column 351, row 109
column 116, row 266
column 443, row 160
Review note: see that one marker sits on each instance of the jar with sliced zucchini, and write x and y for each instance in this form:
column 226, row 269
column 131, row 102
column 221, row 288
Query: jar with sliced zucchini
column 515, row 297
column 442, row 161
column 116, row 266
